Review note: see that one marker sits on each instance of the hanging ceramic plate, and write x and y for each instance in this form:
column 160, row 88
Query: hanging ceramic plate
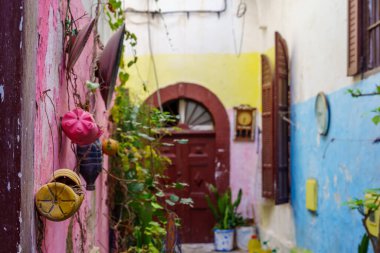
column 108, row 65
column 78, row 44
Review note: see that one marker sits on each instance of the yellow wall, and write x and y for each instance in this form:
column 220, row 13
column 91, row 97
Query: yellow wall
column 235, row 80
column 271, row 53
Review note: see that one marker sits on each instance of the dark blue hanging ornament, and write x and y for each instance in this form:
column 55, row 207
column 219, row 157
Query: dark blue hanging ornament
column 90, row 161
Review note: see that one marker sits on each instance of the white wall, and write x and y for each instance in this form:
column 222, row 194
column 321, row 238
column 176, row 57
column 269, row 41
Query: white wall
column 316, row 32
column 196, row 33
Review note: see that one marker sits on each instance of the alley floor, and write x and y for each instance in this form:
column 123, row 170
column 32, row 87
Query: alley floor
column 201, row 248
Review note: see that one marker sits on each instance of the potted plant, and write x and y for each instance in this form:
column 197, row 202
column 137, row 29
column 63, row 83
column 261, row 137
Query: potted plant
column 244, row 231
column 226, row 216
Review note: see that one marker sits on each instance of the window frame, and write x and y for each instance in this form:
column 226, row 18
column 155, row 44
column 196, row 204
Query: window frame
column 360, row 32
column 370, row 31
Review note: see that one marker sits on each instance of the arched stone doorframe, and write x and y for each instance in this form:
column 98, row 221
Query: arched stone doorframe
column 209, row 100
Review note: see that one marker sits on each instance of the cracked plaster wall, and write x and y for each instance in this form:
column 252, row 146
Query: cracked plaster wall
column 50, row 76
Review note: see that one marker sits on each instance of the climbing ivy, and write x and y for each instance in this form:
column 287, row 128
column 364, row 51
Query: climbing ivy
column 141, row 195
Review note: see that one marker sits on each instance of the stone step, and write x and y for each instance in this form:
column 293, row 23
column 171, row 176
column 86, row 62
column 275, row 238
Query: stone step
column 202, row 248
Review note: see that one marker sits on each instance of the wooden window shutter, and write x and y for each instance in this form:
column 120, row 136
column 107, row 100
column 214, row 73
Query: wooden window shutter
column 354, row 32
column 276, row 139
column 267, row 133
column 281, row 98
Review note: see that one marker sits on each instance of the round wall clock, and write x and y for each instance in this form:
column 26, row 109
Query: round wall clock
column 245, row 118
column 322, row 113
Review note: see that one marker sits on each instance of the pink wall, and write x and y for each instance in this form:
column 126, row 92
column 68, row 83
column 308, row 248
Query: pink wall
column 51, row 75
column 244, row 159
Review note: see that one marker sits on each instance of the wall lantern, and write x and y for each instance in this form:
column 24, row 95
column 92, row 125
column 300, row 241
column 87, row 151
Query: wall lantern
column 108, row 65
column 76, row 44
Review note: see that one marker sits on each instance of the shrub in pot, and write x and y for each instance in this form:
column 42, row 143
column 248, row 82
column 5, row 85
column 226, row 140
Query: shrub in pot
column 226, row 216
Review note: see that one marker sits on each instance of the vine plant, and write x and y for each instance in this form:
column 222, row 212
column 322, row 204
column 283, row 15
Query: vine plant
column 358, row 93
column 367, row 207
column 140, row 194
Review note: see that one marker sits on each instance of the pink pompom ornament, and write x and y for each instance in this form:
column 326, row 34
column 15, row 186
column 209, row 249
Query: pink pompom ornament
column 80, row 127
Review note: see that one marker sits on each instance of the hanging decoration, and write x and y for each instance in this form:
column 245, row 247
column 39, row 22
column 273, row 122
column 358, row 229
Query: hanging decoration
column 77, row 43
column 110, row 147
column 61, row 197
column 90, row 160
column 108, row 65
column 80, row 127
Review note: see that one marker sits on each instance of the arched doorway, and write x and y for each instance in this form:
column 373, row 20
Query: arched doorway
column 204, row 158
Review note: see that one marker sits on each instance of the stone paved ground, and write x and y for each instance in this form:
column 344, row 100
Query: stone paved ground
column 201, row 248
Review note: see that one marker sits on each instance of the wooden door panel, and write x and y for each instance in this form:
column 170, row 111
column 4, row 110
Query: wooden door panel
column 193, row 163
column 202, row 224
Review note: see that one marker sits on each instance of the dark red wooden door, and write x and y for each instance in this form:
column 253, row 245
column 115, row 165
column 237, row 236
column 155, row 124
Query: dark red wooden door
column 193, row 163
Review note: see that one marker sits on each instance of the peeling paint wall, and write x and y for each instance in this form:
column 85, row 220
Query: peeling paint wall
column 10, row 126
column 49, row 153
column 344, row 163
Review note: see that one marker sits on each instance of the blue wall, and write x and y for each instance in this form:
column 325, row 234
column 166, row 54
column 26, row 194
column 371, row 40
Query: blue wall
column 344, row 168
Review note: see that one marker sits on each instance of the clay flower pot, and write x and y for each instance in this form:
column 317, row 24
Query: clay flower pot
column 110, row 147
column 80, row 127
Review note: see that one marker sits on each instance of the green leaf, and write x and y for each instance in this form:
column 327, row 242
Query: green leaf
column 145, row 136
column 156, row 205
column 123, row 76
column 180, row 186
column 187, row 201
column 130, row 63
column 237, row 201
column 174, row 198
column 92, row 86
column 354, row 92
column 136, row 187
column 160, row 194
column 212, row 207
column 374, row 191
column 363, row 246
column 376, row 119
column 170, row 203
